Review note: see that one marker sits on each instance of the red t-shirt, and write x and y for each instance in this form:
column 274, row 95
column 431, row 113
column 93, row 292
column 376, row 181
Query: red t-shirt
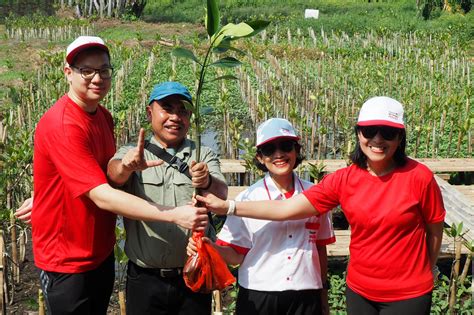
column 388, row 251
column 72, row 149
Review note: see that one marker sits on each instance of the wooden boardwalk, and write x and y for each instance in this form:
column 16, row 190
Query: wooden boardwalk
column 459, row 206
column 343, row 238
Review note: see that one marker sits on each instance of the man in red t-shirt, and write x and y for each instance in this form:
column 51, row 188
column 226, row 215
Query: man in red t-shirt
column 73, row 218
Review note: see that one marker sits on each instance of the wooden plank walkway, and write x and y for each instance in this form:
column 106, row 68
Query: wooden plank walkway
column 466, row 190
column 343, row 238
column 459, row 208
column 436, row 165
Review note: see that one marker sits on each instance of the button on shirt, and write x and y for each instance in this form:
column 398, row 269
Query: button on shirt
column 280, row 255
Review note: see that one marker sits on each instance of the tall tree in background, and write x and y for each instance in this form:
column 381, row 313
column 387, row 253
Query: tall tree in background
column 426, row 7
column 104, row 8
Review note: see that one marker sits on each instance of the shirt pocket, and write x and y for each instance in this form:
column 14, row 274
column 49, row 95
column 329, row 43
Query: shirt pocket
column 150, row 185
column 181, row 180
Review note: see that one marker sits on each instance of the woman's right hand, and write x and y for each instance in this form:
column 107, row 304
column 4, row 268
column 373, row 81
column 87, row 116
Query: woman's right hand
column 213, row 203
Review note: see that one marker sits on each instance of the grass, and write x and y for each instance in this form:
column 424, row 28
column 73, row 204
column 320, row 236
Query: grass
column 350, row 16
column 140, row 30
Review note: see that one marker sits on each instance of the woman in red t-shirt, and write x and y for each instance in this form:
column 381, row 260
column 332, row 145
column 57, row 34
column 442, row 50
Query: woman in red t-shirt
column 393, row 205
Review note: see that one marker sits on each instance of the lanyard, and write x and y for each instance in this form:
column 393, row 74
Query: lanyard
column 268, row 191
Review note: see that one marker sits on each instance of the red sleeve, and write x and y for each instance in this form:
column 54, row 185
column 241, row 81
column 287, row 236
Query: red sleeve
column 239, row 249
column 324, row 196
column 431, row 203
column 327, row 241
column 75, row 162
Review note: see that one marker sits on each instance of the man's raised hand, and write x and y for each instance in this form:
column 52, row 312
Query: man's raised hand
column 134, row 159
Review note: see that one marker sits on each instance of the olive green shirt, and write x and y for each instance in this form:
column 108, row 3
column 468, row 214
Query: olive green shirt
column 160, row 244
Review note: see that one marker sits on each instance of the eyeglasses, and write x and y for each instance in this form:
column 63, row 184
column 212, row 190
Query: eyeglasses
column 270, row 148
column 89, row 73
column 388, row 133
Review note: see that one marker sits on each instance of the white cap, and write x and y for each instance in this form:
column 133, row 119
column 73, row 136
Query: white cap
column 274, row 128
column 81, row 43
column 382, row 111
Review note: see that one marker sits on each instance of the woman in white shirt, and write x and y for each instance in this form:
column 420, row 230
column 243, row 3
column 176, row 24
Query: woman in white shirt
column 283, row 265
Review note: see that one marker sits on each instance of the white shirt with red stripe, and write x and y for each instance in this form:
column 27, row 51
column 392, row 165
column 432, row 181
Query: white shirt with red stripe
column 279, row 255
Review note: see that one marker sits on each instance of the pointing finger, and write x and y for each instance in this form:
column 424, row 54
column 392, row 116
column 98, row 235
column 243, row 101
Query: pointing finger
column 141, row 141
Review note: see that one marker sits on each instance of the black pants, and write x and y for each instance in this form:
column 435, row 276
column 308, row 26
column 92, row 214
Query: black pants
column 304, row 302
column 148, row 292
column 86, row 293
column 358, row 305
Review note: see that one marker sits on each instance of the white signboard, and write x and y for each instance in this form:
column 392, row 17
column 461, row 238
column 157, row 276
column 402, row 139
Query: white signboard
column 311, row 14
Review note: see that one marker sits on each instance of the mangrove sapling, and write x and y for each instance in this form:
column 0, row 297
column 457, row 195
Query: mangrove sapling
column 3, row 277
column 456, row 232
column 41, row 304
column 220, row 42
column 467, row 263
column 122, row 261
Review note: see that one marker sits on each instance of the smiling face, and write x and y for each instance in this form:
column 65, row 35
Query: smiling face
column 378, row 150
column 169, row 120
column 88, row 93
column 281, row 161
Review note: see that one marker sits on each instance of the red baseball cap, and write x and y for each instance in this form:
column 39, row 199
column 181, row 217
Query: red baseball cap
column 84, row 42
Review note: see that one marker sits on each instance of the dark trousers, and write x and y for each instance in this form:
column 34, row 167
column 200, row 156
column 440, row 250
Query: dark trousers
column 86, row 293
column 152, row 292
column 304, row 302
column 358, row 305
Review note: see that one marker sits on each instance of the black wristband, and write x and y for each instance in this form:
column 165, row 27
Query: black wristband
column 208, row 184
column 326, row 285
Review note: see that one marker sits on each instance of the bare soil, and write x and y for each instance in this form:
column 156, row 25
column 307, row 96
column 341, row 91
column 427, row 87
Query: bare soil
column 23, row 296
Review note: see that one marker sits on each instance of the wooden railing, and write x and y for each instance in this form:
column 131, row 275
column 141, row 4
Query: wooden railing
column 436, row 165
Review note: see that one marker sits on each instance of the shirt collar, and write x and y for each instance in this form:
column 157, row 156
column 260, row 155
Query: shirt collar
column 273, row 190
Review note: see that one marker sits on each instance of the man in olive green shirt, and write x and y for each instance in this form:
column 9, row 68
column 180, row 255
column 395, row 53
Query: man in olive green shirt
column 157, row 250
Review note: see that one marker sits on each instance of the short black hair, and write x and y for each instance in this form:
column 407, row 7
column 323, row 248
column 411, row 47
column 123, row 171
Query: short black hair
column 360, row 159
column 299, row 158
column 89, row 50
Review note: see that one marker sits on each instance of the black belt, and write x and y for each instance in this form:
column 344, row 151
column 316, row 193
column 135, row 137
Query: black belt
column 161, row 272
column 168, row 272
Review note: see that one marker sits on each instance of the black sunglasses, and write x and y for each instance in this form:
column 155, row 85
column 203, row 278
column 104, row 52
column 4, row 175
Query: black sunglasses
column 388, row 133
column 270, row 148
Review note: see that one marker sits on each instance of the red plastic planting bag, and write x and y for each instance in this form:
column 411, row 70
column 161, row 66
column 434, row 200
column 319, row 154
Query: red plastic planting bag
column 206, row 271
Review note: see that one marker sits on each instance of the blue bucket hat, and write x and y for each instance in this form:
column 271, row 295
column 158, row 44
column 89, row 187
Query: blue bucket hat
column 165, row 89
